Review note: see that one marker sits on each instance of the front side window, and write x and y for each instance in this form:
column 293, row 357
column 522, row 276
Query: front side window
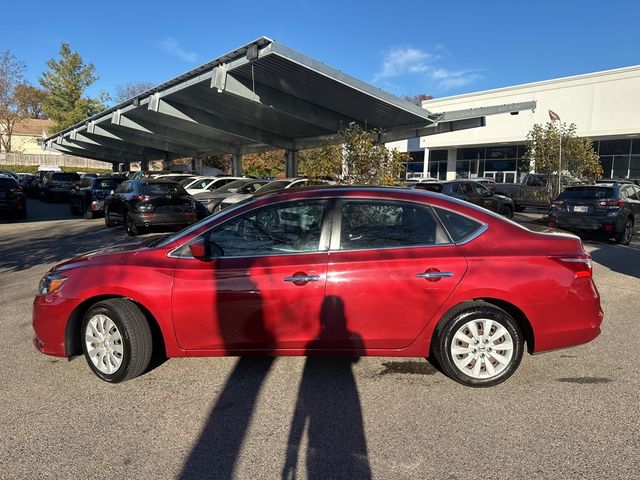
column 379, row 224
column 274, row 230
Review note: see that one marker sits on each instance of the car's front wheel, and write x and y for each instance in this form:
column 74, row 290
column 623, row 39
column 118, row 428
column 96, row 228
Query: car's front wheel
column 116, row 340
column 479, row 345
column 506, row 211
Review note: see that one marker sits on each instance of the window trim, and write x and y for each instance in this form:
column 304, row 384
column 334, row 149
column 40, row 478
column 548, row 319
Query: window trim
column 337, row 224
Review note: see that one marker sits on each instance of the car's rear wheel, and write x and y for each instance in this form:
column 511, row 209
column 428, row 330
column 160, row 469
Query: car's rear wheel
column 116, row 340
column 107, row 219
column 86, row 213
column 479, row 345
column 624, row 236
column 130, row 225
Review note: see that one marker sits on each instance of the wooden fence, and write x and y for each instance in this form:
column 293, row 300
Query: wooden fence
column 48, row 159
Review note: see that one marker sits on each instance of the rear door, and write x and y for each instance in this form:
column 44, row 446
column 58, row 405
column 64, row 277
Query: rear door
column 391, row 267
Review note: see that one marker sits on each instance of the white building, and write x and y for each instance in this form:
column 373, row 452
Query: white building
column 605, row 106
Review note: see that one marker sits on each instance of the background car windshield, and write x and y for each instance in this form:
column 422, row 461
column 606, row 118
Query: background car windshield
column 162, row 189
column 200, row 184
column 7, row 182
column 273, row 186
column 232, row 187
column 275, row 230
column 587, row 193
column 107, row 183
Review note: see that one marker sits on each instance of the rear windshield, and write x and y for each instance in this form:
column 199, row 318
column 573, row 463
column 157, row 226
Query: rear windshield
column 65, row 177
column 107, row 183
column 7, row 182
column 587, row 193
column 163, row 188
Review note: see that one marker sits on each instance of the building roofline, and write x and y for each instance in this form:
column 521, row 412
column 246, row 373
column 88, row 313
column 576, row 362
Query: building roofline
column 582, row 76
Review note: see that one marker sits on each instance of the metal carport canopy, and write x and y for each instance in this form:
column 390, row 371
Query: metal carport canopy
column 262, row 96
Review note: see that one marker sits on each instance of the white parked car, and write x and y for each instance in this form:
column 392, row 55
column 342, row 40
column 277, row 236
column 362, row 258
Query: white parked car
column 207, row 184
column 269, row 187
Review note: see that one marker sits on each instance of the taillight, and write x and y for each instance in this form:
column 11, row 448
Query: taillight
column 141, row 198
column 558, row 202
column 611, row 203
column 579, row 264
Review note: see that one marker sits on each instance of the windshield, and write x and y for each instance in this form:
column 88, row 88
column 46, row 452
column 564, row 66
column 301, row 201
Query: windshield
column 65, row 177
column 232, row 187
column 187, row 181
column 273, row 186
column 587, row 193
column 163, row 189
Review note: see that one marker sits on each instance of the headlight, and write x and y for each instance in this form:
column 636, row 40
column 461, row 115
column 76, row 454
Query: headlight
column 50, row 283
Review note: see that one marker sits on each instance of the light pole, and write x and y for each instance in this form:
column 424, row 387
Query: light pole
column 556, row 118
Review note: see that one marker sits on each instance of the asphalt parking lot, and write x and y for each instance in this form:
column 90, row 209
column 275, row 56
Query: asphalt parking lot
column 566, row 414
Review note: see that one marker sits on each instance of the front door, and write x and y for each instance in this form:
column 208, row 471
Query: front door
column 264, row 288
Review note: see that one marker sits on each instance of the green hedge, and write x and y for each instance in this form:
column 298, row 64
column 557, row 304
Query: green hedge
column 34, row 169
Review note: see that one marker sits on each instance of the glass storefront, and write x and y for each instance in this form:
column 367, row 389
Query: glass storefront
column 415, row 167
column 619, row 158
column 504, row 163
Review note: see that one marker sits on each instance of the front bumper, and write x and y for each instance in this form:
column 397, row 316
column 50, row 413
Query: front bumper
column 50, row 316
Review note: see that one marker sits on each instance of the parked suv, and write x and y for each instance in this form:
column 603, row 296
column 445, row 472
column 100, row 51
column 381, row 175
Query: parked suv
column 139, row 204
column 57, row 185
column 605, row 207
column 473, row 192
column 12, row 198
column 88, row 196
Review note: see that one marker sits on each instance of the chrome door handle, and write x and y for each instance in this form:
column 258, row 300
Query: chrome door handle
column 432, row 275
column 302, row 278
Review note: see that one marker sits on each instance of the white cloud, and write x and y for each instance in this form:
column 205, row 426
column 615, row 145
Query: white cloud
column 171, row 46
column 413, row 62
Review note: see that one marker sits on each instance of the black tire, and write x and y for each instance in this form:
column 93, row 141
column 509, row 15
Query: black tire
column 130, row 225
column 456, row 320
column 72, row 208
column 506, row 211
column 107, row 220
column 626, row 234
column 136, row 341
column 519, row 208
column 86, row 213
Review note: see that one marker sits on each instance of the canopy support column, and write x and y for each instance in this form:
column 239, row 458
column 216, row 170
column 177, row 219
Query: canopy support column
column 236, row 163
column 291, row 158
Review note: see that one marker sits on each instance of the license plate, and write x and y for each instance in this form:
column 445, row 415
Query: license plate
column 580, row 209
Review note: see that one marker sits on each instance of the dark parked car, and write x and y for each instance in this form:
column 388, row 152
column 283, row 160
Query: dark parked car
column 89, row 194
column 473, row 192
column 143, row 203
column 327, row 271
column 57, row 185
column 12, row 198
column 612, row 208
column 245, row 186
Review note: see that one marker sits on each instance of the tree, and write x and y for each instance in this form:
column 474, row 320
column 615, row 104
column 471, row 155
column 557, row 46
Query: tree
column 11, row 76
column 418, row 98
column 130, row 90
column 31, row 100
column 368, row 162
column 265, row 164
column 65, row 84
column 579, row 159
column 322, row 162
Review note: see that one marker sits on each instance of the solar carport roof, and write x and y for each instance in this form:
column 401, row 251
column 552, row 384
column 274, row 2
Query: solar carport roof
column 260, row 97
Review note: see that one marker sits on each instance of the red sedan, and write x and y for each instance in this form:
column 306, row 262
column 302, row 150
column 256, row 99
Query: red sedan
column 327, row 271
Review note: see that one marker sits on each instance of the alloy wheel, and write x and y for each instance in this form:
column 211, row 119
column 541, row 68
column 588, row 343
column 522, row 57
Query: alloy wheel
column 104, row 344
column 482, row 348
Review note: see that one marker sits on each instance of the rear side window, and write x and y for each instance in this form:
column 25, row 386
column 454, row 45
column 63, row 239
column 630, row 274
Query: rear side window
column 106, row 183
column 459, row 227
column 368, row 225
column 163, row 189
column 593, row 193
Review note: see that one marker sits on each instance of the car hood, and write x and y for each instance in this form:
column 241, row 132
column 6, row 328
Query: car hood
column 114, row 254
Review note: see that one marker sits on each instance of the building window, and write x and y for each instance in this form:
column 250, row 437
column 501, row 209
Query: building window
column 415, row 167
column 634, row 166
column 615, row 147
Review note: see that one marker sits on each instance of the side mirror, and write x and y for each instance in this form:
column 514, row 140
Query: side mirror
column 198, row 250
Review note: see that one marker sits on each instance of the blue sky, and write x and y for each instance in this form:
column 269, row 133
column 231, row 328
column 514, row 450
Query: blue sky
column 404, row 47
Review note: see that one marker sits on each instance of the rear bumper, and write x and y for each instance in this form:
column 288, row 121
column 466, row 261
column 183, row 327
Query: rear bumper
column 153, row 219
column 573, row 321
column 586, row 222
